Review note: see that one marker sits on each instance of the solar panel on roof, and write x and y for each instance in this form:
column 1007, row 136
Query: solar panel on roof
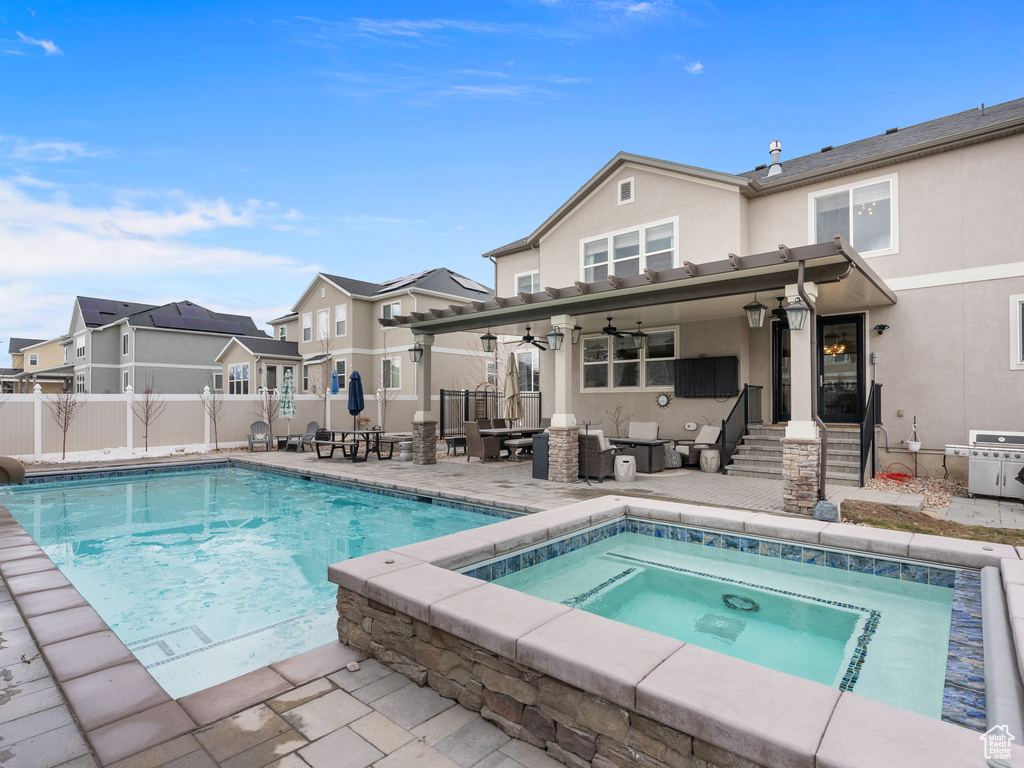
column 91, row 317
column 193, row 323
column 105, row 306
column 465, row 282
column 161, row 320
column 87, row 304
column 192, row 310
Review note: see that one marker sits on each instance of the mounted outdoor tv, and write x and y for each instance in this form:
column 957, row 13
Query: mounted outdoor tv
column 707, row 376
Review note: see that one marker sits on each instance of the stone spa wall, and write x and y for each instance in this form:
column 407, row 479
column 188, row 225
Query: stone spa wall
column 595, row 693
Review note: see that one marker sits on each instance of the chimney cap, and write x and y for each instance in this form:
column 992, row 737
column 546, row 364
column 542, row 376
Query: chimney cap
column 775, row 146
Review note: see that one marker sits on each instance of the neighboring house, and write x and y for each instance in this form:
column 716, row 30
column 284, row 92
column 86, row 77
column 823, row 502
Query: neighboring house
column 923, row 293
column 36, row 361
column 334, row 327
column 251, row 364
column 116, row 344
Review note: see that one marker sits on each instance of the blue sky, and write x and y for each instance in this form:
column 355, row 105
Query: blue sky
column 157, row 151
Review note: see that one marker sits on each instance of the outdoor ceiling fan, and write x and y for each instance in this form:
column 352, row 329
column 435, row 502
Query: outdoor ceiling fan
column 531, row 339
column 780, row 312
column 609, row 330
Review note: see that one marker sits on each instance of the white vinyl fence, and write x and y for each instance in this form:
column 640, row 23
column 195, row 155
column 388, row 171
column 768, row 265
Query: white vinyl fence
column 28, row 430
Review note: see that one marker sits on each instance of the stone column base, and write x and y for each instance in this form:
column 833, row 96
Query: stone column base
column 563, row 454
column 424, row 442
column 800, row 465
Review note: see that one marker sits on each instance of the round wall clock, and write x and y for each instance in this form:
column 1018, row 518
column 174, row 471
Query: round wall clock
column 663, row 400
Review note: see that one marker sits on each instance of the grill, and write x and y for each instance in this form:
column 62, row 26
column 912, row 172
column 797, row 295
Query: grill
column 996, row 463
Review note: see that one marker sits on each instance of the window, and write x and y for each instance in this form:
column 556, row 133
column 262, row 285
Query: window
column 340, row 367
column 307, row 326
column 340, row 320
column 610, row 362
column 305, row 378
column 238, row 379
column 323, row 324
column 394, row 309
column 864, row 214
column 80, row 383
column 80, row 348
column 528, row 363
column 391, row 372
column 124, row 381
column 282, row 333
column 33, row 359
column 1017, row 332
column 626, row 191
column 528, row 282
column 650, row 247
column 491, row 375
column 65, row 354
column 124, row 343
column 218, row 382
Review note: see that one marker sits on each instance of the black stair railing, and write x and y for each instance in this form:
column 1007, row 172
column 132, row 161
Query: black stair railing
column 745, row 412
column 872, row 418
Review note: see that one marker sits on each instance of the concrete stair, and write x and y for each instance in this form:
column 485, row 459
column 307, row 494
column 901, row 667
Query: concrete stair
column 759, row 454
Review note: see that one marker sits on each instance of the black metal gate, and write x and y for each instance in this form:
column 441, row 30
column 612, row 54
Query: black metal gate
column 461, row 405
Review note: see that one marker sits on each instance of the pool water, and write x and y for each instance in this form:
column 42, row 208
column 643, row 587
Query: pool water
column 883, row 638
column 208, row 574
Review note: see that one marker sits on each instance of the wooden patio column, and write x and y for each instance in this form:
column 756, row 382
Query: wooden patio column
column 424, row 422
column 801, row 447
column 563, row 440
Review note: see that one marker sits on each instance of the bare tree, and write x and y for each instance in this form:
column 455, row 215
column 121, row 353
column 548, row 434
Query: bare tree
column 619, row 418
column 385, row 392
column 147, row 408
column 213, row 404
column 64, row 408
column 320, row 374
column 270, row 407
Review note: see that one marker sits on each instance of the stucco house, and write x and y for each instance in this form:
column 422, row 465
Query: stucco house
column 36, row 361
column 116, row 344
column 903, row 245
column 333, row 327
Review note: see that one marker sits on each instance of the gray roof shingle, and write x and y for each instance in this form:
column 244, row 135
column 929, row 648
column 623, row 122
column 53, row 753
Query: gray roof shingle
column 16, row 345
column 261, row 345
column 440, row 280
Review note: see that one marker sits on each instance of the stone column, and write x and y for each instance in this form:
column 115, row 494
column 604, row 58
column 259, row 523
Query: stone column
column 563, row 440
column 424, row 423
column 563, row 454
column 800, row 458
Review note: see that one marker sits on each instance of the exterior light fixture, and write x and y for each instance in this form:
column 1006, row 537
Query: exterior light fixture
column 416, row 352
column 756, row 312
column 576, row 331
column 490, row 341
column 881, row 328
column 555, row 338
column 796, row 313
column 639, row 337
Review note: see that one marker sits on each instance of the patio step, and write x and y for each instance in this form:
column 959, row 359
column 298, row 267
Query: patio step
column 760, row 455
column 775, row 473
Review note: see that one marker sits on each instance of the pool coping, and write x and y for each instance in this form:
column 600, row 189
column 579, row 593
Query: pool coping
column 843, row 729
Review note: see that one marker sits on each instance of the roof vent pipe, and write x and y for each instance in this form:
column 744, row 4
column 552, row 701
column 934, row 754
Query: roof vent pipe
column 776, row 149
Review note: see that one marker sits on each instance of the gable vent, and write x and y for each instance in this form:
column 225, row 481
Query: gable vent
column 625, row 191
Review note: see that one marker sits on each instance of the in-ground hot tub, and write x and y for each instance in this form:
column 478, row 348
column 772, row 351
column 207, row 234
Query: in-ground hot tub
column 582, row 685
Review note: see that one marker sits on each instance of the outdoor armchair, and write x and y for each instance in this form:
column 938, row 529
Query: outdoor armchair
column 299, row 441
column 478, row 445
column 708, row 437
column 597, row 456
column 259, row 434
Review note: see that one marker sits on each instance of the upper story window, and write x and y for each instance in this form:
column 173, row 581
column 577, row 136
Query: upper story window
column 323, row 324
column 629, row 252
column 341, row 320
column 80, row 348
column 626, row 191
column 33, row 359
column 611, row 363
column 282, row 333
column 865, row 214
column 124, row 343
column 1017, row 332
column 391, row 372
column 307, row 326
column 124, row 381
column 394, row 309
column 66, row 353
column 528, row 282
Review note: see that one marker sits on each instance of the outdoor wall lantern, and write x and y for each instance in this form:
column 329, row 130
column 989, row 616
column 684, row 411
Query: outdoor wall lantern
column 555, row 338
column 576, row 331
column 416, row 352
column 756, row 312
column 639, row 337
column 490, row 341
column 796, row 312
column 881, row 328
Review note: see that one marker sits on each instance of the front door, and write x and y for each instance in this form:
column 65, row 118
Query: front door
column 781, row 372
column 841, row 369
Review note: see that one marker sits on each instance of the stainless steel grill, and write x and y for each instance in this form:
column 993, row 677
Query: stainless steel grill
column 996, row 462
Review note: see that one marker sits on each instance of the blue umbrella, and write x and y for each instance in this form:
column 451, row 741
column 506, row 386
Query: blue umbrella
column 334, row 381
column 355, row 396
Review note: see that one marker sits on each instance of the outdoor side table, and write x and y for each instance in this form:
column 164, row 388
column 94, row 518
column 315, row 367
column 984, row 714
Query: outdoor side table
column 649, row 454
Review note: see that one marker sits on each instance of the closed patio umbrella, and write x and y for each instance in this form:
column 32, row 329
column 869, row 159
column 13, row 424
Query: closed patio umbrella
column 334, row 382
column 513, row 400
column 355, row 396
column 287, row 407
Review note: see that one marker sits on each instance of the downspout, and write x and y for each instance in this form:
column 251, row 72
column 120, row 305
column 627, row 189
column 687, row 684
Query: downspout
column 812, row 319
column 494, row 261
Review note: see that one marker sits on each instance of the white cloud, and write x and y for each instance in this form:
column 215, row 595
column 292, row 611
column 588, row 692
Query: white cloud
column 695, row 68
column 46, row 45
column 18, row 148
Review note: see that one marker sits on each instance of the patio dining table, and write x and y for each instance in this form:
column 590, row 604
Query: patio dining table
column 369, row 438
column 510, row 432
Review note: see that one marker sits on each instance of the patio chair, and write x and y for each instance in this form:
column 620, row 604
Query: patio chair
column 477, row 445
column 299, row 441
column 259, row 434
column 708, row 437
column 643, row 430
column 499, row 423
column 597, row 456
column 484, row 423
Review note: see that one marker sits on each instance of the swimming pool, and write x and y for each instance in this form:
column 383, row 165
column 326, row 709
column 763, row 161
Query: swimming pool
column 875, row 626
column 210, row 573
